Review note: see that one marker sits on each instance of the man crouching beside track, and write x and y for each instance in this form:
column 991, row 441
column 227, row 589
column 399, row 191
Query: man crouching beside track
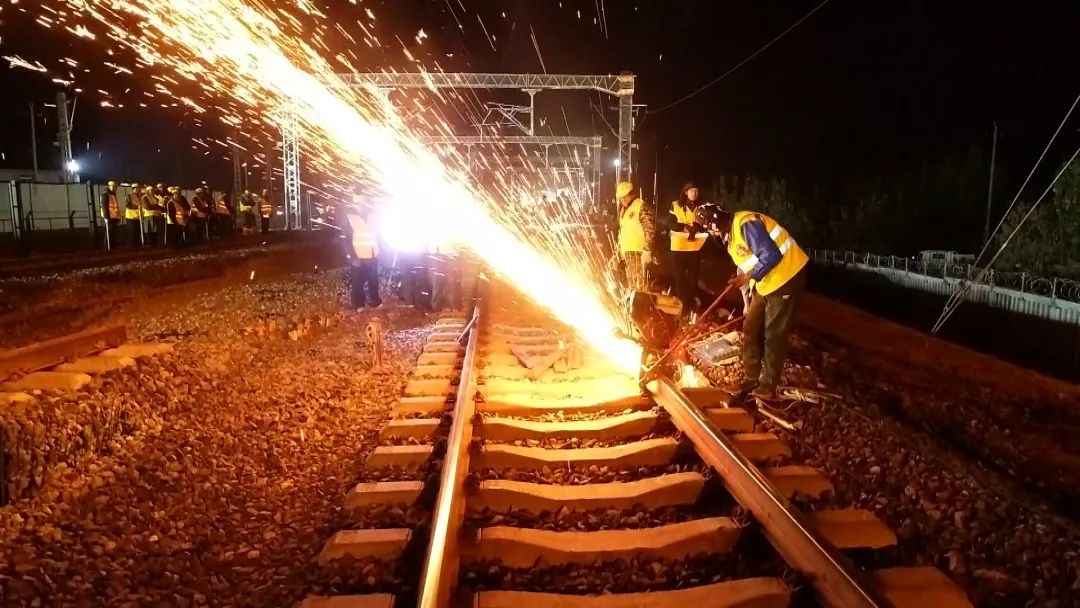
column 771, row 266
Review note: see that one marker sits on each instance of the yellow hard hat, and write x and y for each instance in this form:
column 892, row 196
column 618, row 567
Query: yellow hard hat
column 148, row 189
column 112, row 184
column 174, row 189
column 623, row 189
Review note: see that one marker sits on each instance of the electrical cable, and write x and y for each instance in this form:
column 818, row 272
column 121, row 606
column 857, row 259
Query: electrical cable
column 966, row 287
column 741, row 63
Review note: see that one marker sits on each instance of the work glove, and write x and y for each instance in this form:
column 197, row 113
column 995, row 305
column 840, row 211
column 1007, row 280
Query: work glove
column 646, row 258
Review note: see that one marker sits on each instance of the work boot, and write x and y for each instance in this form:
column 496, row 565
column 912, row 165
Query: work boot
column 742, row 395
column 764, row 393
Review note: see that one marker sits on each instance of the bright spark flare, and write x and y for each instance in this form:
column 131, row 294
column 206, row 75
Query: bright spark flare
column 256, row 52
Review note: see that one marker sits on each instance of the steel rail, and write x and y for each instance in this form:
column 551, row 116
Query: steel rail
column 835, row 580
column 438, row 580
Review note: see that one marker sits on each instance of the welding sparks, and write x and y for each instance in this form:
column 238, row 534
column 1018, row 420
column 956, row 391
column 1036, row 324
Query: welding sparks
column 261, row 57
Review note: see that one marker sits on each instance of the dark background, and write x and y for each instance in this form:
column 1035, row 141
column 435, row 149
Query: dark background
column 860, row 98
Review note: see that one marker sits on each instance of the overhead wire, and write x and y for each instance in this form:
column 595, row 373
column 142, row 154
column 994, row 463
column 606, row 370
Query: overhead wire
column 741, row 63
column 964, row 287
column 982, row 272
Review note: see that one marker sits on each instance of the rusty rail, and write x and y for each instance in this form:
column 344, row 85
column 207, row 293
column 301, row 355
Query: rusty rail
column 837, row 583
column 438, row 581
column 57, row 350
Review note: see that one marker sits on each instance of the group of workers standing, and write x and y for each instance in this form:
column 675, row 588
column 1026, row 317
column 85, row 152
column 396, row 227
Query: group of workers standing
column 160, row 215
column 770, row 271
column 436, row 277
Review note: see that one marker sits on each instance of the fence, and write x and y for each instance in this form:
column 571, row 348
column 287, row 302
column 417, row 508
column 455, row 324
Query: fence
column 1056, row 299
column 32, row 207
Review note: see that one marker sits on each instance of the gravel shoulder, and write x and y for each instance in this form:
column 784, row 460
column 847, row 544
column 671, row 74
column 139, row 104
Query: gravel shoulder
column 949, row 447
column 224, row 485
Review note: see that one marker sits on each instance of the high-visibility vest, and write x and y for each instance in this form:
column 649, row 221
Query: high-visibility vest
column 631, row 231
column 111, row 208
column 200, row 208
column 247, row 204
column 177, row 215
column 222, row 207
column 364, row 241
column 794, row 257
column 266, row 208
column 152, row 205
column 680, row 240
column 131, row 209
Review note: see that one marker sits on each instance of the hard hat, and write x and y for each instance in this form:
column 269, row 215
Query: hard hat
column 266, row 193
column 112, row 184
column 200, row 190
column 247, row 192
column 623, row 189
column 162, row 186
column 135, row 184
column 713, row 218
column 149, row 189
column 174, row 189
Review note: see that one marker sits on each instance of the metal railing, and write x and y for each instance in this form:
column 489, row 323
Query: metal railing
column 1055, row 288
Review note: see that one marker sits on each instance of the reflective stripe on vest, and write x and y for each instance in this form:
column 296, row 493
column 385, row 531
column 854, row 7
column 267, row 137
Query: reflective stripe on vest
column 111, row 207
column 680, row 241
column 266, row 208
column 793, row 260
column 365, row 244
column 222, row 208
column 631, row 232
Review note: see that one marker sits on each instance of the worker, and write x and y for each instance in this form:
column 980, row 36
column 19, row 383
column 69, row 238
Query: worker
column 153, row 209
column 201, row 207
column 771, row 267
column 363, row 254
column 266, row 211
column 247, row 211
column 110, row 211
column 636, row 230
column 453, row 273
column 686, row 244
column 225, row 227
column 133, row 215
column 176, row 217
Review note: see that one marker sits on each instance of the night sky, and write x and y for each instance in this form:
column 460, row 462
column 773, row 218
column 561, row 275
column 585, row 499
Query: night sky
column 859, row 89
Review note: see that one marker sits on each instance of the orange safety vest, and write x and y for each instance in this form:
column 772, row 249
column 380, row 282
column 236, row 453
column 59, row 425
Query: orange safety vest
column 177, row 216
column 111, row 207
column 794, row 257
column 266, row 208
column 222, row 207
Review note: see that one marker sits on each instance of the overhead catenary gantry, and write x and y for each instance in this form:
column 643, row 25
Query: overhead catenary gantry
column 620, row 86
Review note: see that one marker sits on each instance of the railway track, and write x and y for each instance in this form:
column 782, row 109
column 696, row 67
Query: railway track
column 553, row 480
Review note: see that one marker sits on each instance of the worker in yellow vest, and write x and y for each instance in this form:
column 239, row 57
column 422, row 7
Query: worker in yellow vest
column 772, row 266
column 223, row 212
column 110, row 211
column 636, row 231
column 176, row 218
column 133, row 215
column 686, row 243
column 266, row 211
column 153, row 209
column 247, row 212
column 363, row 254
column 199, row 217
